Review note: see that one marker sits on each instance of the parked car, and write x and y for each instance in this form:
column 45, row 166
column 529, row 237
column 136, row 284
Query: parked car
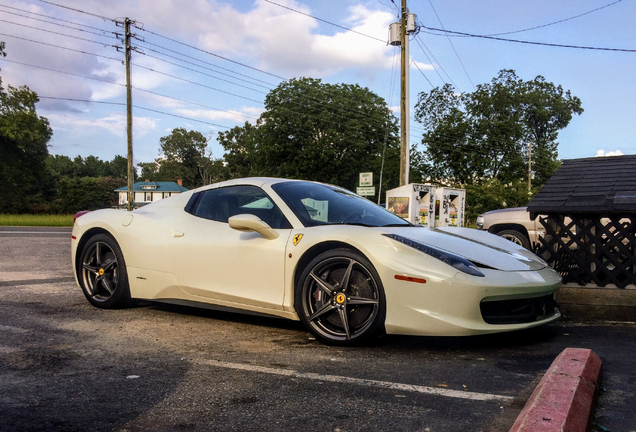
column 345, row 267
column 513, row 224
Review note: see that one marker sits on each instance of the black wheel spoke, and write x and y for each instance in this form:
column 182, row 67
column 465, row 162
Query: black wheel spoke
column 362, row 301
column 345, row 279
column 342, row 311
column 323, row 310
column 90, row 268
column 326, row 287
column 109, row 264
column 98, row 253
column 107, row 285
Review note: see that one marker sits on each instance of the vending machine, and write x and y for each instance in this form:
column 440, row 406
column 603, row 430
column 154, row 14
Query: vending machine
column 413, row 202
column 450, row 206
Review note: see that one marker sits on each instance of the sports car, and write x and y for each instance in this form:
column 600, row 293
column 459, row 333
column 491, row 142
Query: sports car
column 348, row 269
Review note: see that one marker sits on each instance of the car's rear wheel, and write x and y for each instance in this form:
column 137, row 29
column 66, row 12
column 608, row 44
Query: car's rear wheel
column 340, row 298
column 516, row 237
column 102, row 273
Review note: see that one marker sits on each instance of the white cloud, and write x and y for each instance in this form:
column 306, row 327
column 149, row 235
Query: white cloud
column 114, row 123
column 602, row 153
column 419, row 65
column 249, row 114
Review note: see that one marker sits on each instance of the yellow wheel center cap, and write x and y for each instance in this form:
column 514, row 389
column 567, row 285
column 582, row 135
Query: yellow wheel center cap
column 340, row 298
column 101, row 272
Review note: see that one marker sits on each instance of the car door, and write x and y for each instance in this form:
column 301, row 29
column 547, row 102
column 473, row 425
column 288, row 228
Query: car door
column 211, row 259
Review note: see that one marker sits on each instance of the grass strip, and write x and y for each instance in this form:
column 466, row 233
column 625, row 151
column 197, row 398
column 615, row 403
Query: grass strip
column 36, row 220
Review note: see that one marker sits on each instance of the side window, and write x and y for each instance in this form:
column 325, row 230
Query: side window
column 221, row 204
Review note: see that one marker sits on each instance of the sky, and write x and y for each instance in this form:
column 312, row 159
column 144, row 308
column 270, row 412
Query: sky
column 207, row 65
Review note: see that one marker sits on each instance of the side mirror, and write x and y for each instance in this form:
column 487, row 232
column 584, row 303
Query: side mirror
column 249, row 223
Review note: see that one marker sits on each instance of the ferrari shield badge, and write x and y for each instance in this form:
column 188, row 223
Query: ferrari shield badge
column 297, row 239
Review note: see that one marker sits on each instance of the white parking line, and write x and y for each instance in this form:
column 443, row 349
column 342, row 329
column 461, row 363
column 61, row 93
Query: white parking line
column 361, row 382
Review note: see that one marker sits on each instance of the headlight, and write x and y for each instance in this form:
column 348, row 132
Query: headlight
column 480, row 222
column 449, row 258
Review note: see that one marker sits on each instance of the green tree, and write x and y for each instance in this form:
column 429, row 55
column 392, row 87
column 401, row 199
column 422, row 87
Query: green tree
column 183, row 156
column 240, row 150
column 316, row 131
column 118, row 167
column 24, row 138
column 473, row 137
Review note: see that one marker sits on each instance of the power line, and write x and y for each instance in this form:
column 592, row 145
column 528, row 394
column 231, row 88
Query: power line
column 557, row 22
column 198, row 60
column 327, row 22
column 523, row 42
column 196, row 83
column 53, row 23
column 134, row 106
column 452, row 45
column 82, row 100
column 182, row 117
column 425, row 77
column 54, row 18
column 57, row 33
column 62, row 72
column 210, row 53
column 77, row 10
column 434, row 61
column 195, row 103
column 121, row 85
column 202, row 73
column 58, row 46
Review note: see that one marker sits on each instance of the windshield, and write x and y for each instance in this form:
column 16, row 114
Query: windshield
column 319, row 204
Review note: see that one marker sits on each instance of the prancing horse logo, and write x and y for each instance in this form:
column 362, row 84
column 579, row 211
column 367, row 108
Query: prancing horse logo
column 297, row 239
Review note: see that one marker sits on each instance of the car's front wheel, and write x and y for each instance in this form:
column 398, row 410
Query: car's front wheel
column 102, row 273
column 340, row 298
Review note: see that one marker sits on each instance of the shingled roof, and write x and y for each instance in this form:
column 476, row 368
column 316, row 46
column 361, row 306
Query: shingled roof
column 154, row 187
column 591, row 185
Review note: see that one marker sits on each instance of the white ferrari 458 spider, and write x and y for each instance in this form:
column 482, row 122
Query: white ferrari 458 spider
column 345, row 267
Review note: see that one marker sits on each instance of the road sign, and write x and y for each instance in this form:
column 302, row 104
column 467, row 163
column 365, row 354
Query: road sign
column 366, row 191
column 366, row 179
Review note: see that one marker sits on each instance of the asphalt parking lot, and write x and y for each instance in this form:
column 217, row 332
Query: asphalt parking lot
column 67, row 366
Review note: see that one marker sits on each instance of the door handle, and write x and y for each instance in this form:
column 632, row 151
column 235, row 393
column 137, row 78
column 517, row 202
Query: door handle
column 177, row 234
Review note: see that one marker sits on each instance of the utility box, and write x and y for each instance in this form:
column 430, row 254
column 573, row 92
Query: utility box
column 450, row 206
column 413, row 202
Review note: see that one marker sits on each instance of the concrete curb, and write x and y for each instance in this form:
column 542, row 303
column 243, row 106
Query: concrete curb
column 565, row 396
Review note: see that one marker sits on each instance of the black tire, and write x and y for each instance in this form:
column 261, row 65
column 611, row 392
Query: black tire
column 102, row 273
column 340, row 298
column 516, row 237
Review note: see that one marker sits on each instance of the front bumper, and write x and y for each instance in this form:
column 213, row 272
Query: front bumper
column 456, row 306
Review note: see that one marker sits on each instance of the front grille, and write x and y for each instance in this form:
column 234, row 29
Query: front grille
column 518, row 311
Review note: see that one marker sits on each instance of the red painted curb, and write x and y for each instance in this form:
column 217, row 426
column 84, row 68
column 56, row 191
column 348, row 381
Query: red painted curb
column 563, row 400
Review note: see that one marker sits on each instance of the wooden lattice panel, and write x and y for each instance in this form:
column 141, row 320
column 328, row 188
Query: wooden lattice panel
column 598, row 249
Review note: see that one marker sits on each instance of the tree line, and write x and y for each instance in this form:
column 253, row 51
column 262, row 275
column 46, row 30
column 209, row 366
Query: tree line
column 315, row 131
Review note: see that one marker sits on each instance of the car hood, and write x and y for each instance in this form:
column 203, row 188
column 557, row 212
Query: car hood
column 479, row 247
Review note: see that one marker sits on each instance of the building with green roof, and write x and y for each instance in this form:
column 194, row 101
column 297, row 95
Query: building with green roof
column 149, row 191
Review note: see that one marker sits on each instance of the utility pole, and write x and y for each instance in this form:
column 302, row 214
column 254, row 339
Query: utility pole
column 131, row 168
column 529, row 167
column 404, row 144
